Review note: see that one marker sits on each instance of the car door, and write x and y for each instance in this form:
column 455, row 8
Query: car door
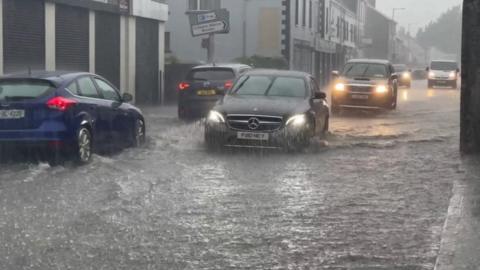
column 100, row 117
column 121, row 121
column 318, row 106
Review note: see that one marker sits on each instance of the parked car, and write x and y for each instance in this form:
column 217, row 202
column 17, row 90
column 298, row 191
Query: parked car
column 404, row 75
column 269, row 109
column 67, row 114
column 365, row 84
column 204, row 86
column 443, row 73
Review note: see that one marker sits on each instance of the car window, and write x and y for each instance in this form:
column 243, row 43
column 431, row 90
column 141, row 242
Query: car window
column 270, row 86
column 13, row 90
column 108, row 92
column 73, row 87
column 87, row 88
column 365, row 70
column 438, row 65
column 211, row 74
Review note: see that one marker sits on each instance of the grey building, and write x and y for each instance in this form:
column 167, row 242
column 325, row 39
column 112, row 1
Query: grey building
column 256, row 28
column 379, row 35
column 120, row 39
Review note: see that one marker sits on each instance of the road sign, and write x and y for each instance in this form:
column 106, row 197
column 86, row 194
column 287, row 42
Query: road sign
column 209, row 28
column 206, row 17
column 210, row 22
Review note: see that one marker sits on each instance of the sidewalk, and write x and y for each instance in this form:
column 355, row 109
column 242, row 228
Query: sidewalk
column 460, row 247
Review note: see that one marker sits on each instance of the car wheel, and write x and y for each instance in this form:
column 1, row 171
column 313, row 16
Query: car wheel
column 83, row 152
column 394, row 101
column 139, row 136
column 326, row 127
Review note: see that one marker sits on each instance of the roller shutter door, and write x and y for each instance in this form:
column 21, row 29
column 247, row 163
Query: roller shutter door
column 147, row 67
column 23, row 35
column 107, row 46
column 72, row 38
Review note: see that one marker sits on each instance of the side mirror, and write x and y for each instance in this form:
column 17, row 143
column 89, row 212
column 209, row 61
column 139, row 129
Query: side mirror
column 127, row 97
column 427, row 69
column 335, row 74
column 320, row 95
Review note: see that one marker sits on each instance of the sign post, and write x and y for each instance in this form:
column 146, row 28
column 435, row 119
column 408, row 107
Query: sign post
column 209, row 23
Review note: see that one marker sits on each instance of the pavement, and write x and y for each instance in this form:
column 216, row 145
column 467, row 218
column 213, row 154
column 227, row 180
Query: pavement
column 460, row 246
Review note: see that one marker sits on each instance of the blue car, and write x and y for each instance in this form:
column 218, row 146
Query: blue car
column 67, row 114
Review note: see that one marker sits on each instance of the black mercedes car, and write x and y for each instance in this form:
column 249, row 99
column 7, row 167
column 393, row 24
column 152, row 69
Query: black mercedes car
column 269, row 109
column 365, row 84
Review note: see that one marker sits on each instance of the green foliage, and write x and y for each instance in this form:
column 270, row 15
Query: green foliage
column 445, row 33
column 263, row 62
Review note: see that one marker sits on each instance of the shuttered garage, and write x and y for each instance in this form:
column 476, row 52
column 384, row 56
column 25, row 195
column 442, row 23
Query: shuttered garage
column 107, row 46
column 23, row 35
column 72, row 38
column 147, row 75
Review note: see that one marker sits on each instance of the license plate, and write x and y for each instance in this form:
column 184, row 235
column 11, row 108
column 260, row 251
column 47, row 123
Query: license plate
column 12, row 114
column 363, row 97
column 252, row 136
column 210, row 92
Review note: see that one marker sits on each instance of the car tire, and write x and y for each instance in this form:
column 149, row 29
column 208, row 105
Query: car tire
column 139, row 134
column 326, row 128
column 394, row 101
column 84, row 146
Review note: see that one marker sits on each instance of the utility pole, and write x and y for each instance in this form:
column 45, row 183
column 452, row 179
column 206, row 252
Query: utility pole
column 211, row 48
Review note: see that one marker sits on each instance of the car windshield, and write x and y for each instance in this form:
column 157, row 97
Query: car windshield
column 213, row 74
column 11, row 90
column 444, row 66
column 367, row 70
column 400, row 68
column 270, row 86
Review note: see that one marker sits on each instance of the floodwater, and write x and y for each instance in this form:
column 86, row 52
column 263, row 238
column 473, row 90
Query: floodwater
column 374, row 195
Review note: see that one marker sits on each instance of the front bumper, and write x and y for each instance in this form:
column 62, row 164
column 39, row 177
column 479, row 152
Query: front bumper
column 442, row 81
column 286, row 137
column 361, row 100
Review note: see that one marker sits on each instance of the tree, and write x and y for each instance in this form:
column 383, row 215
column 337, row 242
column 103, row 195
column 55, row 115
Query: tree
column 445, row 33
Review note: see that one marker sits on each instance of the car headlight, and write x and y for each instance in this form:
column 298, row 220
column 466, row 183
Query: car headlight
column 452, row 75
column 431, row 74
column 340, row 87
column 297, row 120
column 406, row 75
column 381, row 89
column 215, row 117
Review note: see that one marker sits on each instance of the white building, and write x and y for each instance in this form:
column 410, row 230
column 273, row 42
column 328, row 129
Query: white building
column 119, row 39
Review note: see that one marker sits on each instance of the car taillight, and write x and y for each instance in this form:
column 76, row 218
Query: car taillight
column 60, row 103
column 228, row 85
column 183, row 86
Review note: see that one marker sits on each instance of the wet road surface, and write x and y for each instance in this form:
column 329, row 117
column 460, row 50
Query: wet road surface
column 374, row 196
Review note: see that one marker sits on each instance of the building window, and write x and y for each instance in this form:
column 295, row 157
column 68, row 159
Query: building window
column 297, row 11
column 304, row 18
column 203, row 4
column 310, row 17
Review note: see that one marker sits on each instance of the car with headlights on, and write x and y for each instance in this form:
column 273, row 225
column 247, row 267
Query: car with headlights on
column 204, row 86
column 66, row 114
column 443, row 73
column 365, row 84
column 404, row 75
column 269, row 109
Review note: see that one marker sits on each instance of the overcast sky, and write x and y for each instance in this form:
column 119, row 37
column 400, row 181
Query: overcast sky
column 418, row 13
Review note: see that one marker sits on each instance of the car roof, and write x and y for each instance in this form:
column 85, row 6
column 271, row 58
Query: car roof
column 56, row 77
column 277, row 72
column 223, row 65
column 445, row 61
column 370, row 61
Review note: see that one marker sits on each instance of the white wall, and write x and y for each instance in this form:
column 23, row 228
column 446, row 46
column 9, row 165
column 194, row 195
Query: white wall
column 151, row 9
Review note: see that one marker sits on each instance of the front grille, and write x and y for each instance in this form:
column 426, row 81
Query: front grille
column 261, row 122
column 360, row 89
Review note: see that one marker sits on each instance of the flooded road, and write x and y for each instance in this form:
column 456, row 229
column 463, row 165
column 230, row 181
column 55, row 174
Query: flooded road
column 374, row 196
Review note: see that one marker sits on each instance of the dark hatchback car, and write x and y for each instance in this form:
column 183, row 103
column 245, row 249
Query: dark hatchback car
column 269, row 109
column 365, row 84
column 404, row 75
column 204, row 86
column 66, row 114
